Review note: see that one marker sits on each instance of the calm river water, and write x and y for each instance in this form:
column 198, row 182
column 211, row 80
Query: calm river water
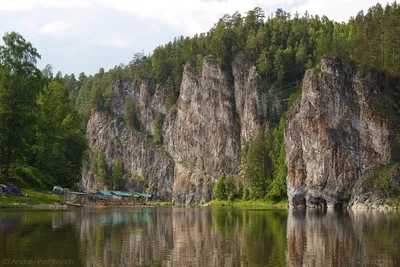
column 200, row 236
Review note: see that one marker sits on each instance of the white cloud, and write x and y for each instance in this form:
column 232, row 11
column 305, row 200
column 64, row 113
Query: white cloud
column 116, row 42
column 83, row 35
column 193, row 16
column 55, row 27
column 23, row 5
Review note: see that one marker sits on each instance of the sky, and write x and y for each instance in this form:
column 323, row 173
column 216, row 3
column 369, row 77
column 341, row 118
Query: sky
column 83, row 35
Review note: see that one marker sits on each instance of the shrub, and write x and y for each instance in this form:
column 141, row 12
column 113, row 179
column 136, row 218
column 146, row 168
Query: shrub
column 116, row 174
column 101, row 167
column 131, row 114
column 157, row 129
column 225, row 188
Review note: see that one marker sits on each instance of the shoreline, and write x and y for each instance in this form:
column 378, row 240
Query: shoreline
column 59, row 206
column 247, row 203
column 213, row 203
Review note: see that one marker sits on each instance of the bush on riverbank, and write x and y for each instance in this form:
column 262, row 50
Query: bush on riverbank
column 248, row 203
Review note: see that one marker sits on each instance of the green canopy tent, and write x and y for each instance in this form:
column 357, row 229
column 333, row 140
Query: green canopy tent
column 123, row 195
column 104, row 194
column 140, row 195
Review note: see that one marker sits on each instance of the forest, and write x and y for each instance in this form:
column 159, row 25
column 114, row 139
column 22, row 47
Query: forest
column 43, row 116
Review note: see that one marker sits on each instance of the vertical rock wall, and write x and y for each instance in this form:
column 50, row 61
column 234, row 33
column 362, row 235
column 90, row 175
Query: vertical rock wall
column 333, row 135
column 218, row 111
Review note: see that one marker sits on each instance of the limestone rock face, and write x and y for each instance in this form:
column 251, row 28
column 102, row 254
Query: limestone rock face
column 138, row 156
column 332, row 135
column 219, row 109
column 248, row 99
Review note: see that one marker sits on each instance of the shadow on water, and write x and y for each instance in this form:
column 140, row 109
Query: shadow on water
column 203, row 237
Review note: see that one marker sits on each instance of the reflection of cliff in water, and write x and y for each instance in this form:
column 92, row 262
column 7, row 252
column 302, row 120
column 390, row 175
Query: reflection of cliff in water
column 185, row 237
column 132, row 237
column 203, row 237
column 342, row 238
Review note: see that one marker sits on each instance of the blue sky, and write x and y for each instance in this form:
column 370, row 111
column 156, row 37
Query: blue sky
column 84, row 35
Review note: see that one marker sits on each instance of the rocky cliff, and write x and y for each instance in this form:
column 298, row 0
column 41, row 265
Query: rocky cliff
column 344, row 125
column 336, row 132
column 219, row 109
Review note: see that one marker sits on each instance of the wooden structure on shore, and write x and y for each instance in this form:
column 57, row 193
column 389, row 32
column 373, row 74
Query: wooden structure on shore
column 77, row 199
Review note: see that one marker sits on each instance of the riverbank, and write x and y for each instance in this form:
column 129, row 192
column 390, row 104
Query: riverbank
column 248, row 203
column 44, row 199
column 48, row 200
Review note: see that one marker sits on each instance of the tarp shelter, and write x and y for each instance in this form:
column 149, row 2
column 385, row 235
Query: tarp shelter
column 122, row 194
column 143, row 195
column 12, row 190
column 104, row 194
column 140, row 195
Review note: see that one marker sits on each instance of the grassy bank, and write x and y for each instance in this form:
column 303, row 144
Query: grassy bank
column 35, row 198
column 248, row 203
column 160, row 203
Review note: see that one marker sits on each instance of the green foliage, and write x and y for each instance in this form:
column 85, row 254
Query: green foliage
column 157, row 128
column 257, row 203
column 101, row 167
column 161, row 203
column 139, row 179
column 140, row 184
column 36, row 197
column 265, row 166
column 381, row 180
column 293, row 98
column 199, row 63
column 31, row 177
column 41, row 137
column 59, row 143
column 225, row 187
column 20, row 83
column 116, row 174
column 246, row 193
column 276, row 148
column 131, row 114
column 256, row 167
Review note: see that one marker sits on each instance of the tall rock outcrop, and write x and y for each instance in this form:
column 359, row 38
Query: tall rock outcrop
column 334, row 133
column 219, row 109
column 203, row 133
column 142, row 161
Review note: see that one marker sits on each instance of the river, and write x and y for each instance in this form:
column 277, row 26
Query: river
column 199, row 236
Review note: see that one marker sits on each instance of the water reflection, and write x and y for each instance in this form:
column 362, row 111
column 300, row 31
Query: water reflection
column 202, row 237
column 343, row 238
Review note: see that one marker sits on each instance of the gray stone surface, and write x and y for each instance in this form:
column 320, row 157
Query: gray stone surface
column 219, row 109
column 332, row 136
